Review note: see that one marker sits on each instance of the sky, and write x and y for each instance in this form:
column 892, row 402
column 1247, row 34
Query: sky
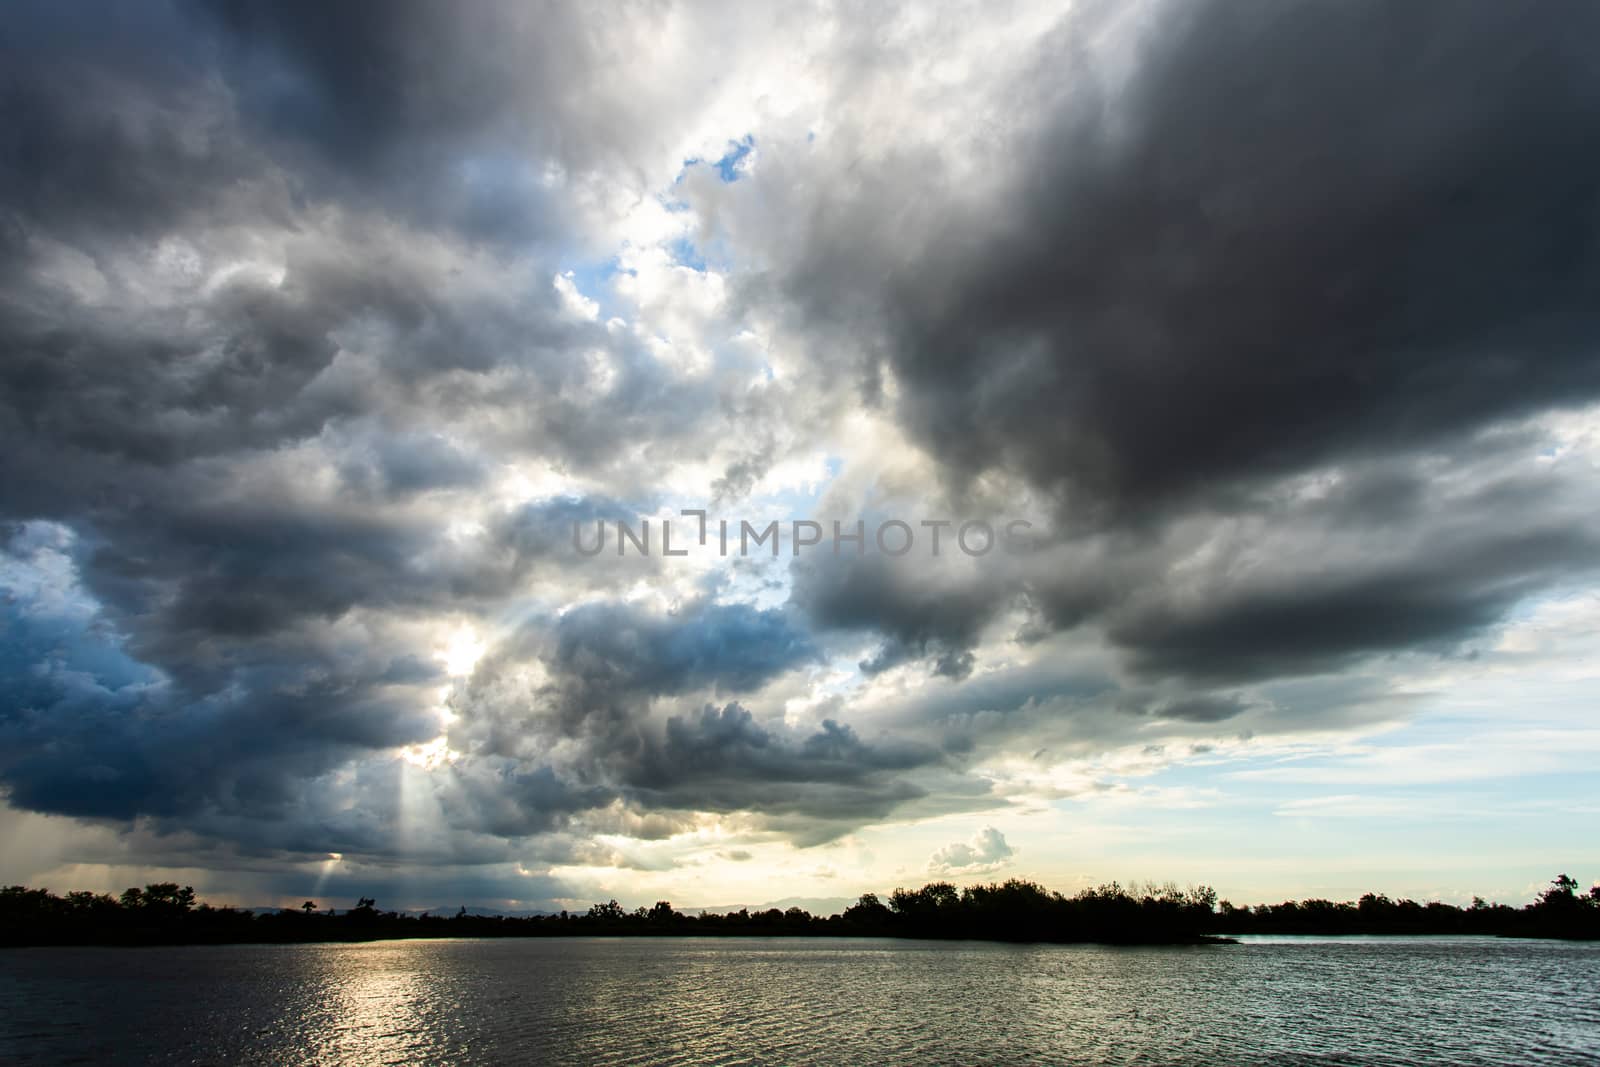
column 323, row 329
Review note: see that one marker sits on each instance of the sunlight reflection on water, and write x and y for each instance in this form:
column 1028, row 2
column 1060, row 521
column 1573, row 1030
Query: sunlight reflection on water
column 1457, row 1000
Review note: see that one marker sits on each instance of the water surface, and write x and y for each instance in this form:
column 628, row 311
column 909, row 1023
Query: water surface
column 707, row 1000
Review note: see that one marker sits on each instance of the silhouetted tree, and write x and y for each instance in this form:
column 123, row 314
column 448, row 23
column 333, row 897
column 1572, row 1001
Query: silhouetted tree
column 868, row 911
column 168, row 896
column 609, row 911
column 1015, row 910
column 1563, row 893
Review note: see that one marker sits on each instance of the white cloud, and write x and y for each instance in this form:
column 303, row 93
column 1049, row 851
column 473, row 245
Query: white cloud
column 986, row 851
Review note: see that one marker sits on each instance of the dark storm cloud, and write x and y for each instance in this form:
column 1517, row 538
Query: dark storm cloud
column 542, row 544
column 242, row 571
column 1311, row 587
column 1316, row 622
column 1222, row 249
column 154, row 146
column 217, row 570
column 251, row 692
column 236, row 358
column 443, row 110
column 259, row 463
column 250, row 365
column 1199, row 709
column 514, row 801
column 603, row 663
column 89, row 732
column 731, row 647
column 277, row 330
column 607, row 664
column 411, row 462
column 1416, row 552
column 1285, row 234
column 723, row 760
column 923, row 608
column 109, row 124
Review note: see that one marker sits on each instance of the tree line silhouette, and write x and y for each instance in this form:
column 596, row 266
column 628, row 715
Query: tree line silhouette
column 1015, row 910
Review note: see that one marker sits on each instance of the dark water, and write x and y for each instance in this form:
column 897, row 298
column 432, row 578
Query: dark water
column 1285, row 1000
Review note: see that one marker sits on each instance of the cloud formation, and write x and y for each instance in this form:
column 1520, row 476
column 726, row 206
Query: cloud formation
column 1228, row 245
column 319, row 332
column 986, row 852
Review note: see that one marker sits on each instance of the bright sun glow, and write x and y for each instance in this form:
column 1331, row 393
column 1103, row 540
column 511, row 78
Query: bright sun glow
column 429, row 754
column 461, row 651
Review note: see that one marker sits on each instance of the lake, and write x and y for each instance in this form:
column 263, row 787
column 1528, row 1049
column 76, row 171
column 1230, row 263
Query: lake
column 701, row 1000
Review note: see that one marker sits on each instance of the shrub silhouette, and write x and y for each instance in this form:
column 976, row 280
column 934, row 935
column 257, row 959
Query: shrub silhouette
column 1013, row 910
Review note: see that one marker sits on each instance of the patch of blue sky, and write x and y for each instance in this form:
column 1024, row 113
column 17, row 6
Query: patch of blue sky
column 792, row 502
column 673, row 205
column 710, row 255
column 686, row 253
column 730, row 166
column 1310, row 835
column 592, row 278
column 1415, row 773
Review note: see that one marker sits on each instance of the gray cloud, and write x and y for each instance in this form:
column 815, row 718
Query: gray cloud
column 273, row 316
column 923, row 608
column 1261, row 307
column 1417, row 551
column 1236, row 243
column 722, row 760
column 89, row 731
column 604, row 668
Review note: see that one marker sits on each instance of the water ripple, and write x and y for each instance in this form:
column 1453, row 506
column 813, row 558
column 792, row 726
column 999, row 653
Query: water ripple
column 734, row 1002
